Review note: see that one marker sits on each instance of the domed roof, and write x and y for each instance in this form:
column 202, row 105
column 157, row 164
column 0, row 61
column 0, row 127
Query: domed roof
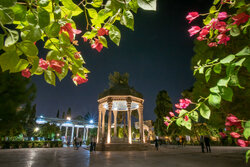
column 120, row 89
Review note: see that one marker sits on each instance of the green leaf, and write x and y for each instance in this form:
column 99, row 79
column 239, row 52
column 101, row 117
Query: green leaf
column 244, row 52
column 240, row 62
column 21, row 65
column 216, row 1
column 215, row 89
column 9, row 60
column 234, row 80
column 53, row 30
column 201, row 70
column 31, row 18
column 194, row 116
column 69, row 4
column 134, row 5
column 205, row 111
column 223, row 81
column 33, row 35
column 127, row 19
column 64, row 72
column 187, row 124
column 235, row 31
column 208, row 74
column 103, row 41
column 12, row 38
column 147, row 4
column 247, row 64
column 227, row 59
column 214, row 100
column 20, row 12
column 57, row 12
column 115, row 35
column 239, row 3
column 1, row 41
column 97, row 3
column 247, row 155
column 182, row 112
column 53, row 55
column 7, row 3
column 217, row 68
column 43, row 17
column 35, row 64
column 50, row 77
column 51, row 43
column 6, row 16
column 212, row 10
column 92, row 13
column 226, row 93
column 179, row 121
column 28, row 48
column 247, row 124
column 246, row 133
column 43, row 3
column 207, row 19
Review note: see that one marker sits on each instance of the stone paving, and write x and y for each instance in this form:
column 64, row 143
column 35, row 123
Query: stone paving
column 167, row 156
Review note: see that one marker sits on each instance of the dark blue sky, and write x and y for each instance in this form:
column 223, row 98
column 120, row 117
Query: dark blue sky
column 157, row 56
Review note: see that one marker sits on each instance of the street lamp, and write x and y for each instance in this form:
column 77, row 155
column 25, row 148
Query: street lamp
column 68, row 118
column 91, row 121
column 36, row 129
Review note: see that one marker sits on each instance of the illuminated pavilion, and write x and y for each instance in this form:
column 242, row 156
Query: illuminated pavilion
column 120, row 98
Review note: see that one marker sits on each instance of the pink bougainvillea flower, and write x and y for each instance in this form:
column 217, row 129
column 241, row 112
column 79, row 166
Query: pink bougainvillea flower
column 200, row 38
column 177, row 106
column 85, row 39
column 186, row 118
column 228, row 123
column 222, row 15
column 71, row 31
column 223, row 135
column 212, row 44
column 43, row 64
column 194, row 30
column 223, row 38
column 57, row 65
column 26, row 73
column 235, row 135
column 242, row 143
column 232, row 118
column 171, row 114
column 167, row 118
column 77, row 55
column 79, row 80
column 204, row 32
column 166, row 123
column 240, row 18
column 191, row 16
column 177, row 111
column 102, row 31
column 184, row 103
column 97, row 45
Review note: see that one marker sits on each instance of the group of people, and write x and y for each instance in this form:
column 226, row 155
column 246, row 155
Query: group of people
column 77, row 143
column 205, row 142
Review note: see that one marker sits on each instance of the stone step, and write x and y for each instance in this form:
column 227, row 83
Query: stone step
column 124, row 147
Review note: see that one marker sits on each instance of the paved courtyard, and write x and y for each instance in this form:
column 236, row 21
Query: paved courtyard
column 168, row 156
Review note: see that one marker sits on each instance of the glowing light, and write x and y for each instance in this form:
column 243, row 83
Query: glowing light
column 57, row 134
column 36, row 129
column 68, row 118
column 91, row 121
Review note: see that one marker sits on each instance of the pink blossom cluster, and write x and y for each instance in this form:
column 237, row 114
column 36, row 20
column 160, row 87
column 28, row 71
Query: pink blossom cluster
column 184, row 103
column 216, row 25
column 79, row 80
column 233, row 123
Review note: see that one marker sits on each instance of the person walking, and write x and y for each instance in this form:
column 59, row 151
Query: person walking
column 157, row 143
column 202, row 143
column 207, row 143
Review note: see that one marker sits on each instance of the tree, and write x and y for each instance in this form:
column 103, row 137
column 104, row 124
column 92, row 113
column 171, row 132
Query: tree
column 30, row 123
column 50, row 22
column 118, row 79
column 69, row 112
column 163, row 106
column 58, row 114
column 63, row 115
column 49, row 131
column 16, row 96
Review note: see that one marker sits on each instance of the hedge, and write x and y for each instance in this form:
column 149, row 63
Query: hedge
column 30, row 144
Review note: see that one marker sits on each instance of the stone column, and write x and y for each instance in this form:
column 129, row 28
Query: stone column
column 77, row 130
column 109, row 120
column 83, row 135
column 115, row 122
column 66, row 132
column 87, row 131
column 99, row 122
column 129, row 101
column 72, row 133
column 140, row 112
column 103, row 122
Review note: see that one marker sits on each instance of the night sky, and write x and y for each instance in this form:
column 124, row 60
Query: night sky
column 157, row 56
